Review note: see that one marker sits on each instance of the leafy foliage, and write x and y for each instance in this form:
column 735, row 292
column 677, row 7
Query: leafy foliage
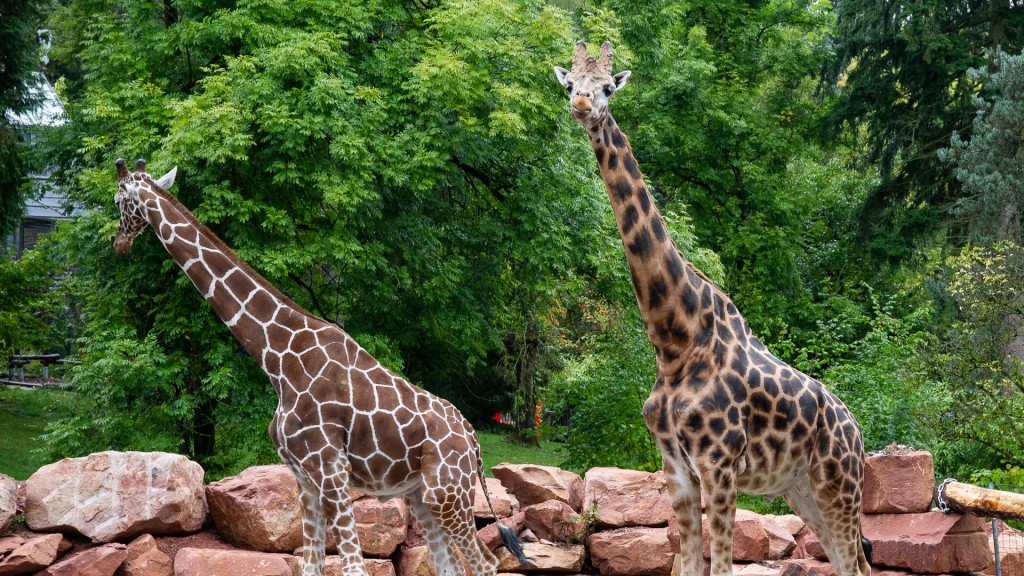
column 984, row 380
column 990, row 164
column 397, row 168
column 885, row 378
column 32, row 313
column 900, row 84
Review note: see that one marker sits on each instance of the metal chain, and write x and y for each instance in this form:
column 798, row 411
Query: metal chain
column 940, row 494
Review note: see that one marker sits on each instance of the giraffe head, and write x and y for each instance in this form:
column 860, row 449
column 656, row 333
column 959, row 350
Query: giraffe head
column 133, row 212
column 590, row 84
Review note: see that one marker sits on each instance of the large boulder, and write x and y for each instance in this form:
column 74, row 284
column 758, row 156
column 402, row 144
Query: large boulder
column 929, row 543
column 205, row 562
column 898, row 481
column 504, row 503
column 621, row 498
column 555, row 521
column 112, row 496
column 34, row 554
column 99, row 561
column 632, row 552
column 382, row 526
column 532, row 484
column 545, row 558
column 755, row 538
column 8, row 501
column 258, row 509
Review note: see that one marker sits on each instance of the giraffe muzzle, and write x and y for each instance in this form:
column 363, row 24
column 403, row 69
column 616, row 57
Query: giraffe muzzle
column 123, row 243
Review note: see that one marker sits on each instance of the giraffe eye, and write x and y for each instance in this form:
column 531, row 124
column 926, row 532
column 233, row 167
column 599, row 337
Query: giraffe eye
column 568, row 88
column 608, row 90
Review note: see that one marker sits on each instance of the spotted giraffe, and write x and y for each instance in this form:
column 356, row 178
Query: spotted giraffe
column 727, row 415
column 343, row 420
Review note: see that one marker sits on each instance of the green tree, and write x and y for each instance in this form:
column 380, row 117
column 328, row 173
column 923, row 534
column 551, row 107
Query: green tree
column 990, row 163
column 403, row 169
column 899, row 87
column 19, row 63
column 983, row 390
column 722, row 113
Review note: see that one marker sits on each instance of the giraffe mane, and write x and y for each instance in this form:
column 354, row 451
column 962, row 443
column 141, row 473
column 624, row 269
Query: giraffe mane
column 220, row 244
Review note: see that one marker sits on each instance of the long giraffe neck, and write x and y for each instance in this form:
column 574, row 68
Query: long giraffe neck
column 676, row 300
column 251, row 307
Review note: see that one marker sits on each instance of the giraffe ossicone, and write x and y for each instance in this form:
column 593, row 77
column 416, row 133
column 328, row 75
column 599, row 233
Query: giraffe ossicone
column 726, row 414
column 343, row 420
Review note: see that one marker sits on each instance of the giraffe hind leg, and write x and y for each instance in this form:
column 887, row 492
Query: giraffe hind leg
column 838, row 533
column 442, row 552
column 451, row 508
column 684, row 489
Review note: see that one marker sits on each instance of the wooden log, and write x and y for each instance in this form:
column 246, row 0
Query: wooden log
column 983, row 502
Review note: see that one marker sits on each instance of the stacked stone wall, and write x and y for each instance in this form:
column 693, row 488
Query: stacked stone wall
column 149, row 514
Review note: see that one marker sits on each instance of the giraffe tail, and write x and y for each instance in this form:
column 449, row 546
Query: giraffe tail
column 508, row 536
column 867, row 548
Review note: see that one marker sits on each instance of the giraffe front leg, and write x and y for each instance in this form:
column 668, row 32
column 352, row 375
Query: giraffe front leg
column 314, row 530
column 720, row 498
column 337, row 503
column 684, row 489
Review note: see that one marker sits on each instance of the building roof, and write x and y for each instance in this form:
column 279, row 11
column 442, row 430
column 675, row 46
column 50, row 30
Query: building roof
column 48, row 112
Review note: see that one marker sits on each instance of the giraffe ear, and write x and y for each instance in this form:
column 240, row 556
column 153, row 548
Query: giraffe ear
column 620, row 78
column 167, row 180
column 562, row 75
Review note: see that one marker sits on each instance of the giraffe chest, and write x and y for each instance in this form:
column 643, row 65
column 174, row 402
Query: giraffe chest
column 759, row 423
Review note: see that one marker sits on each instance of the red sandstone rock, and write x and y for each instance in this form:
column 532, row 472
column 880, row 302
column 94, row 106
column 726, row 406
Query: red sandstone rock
column 929, row 543
column 99, row 561
column 490, row 536
column 898, row 483
column 755, row 570
column 555, row 521
column 544, row 558
column 810, row 567
column 755, row 538
column 205, row 562
column 790, row 523
column 115, row 495
column 8, row 501
column 382, row 526
column 1011, row 551
column 632, row 552
column 532, row 484
column 414, row 561
column 808, row 545
column 374, row 567
column 145, row 559
column 34, row 555
column 258, row 509
column 9, row 543
column 627, row 497
column 505, row 504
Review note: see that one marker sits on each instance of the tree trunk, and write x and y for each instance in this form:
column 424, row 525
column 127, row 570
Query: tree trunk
column 998, row 11
column 968, row 499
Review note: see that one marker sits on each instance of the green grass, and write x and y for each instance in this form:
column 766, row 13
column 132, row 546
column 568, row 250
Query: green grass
column 25, row 413
column 23, row 418
column 497, row 450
